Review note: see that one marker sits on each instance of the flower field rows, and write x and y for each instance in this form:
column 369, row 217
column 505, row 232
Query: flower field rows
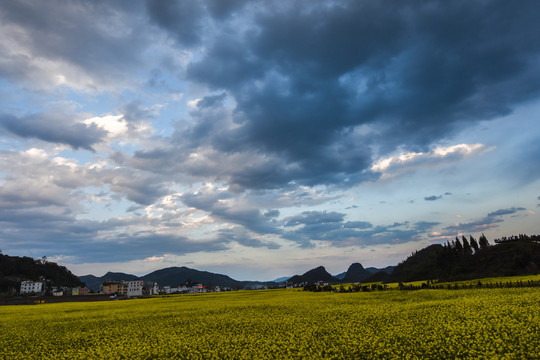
column 281, row 324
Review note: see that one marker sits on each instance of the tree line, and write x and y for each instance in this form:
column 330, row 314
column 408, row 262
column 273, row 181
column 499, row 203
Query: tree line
column 467, row 247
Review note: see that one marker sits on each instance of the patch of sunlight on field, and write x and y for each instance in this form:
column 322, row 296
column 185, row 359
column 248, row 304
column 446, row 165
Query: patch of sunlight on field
column 281, row 324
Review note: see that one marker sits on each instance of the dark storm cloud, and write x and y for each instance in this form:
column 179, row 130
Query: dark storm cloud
column 182, row 19
column 54, row 128
column 222, row 153
column 306, row 77
column 100, row 37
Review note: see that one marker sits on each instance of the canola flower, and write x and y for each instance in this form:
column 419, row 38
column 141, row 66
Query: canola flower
column 282, row 324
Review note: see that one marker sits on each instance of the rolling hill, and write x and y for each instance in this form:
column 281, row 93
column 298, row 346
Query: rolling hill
column 314, row 275
column 173, row 276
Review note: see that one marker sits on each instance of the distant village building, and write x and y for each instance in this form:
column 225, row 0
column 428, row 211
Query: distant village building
column 182, row 289
column 134, row 288
column 110, row 288
column 31, row 287
column 122, row 289
column 84, row 291
column 80, row 291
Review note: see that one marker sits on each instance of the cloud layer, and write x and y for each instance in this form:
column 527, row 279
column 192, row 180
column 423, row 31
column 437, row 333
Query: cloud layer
column 146, row 128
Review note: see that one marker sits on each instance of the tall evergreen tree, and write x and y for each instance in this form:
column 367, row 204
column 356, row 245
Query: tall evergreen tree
column 458, row 246
column 467, row 250
column 473, row 243
column 483, row 241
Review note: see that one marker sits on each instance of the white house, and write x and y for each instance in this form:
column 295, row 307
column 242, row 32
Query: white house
column 155, row 289
column 134, row 288
column 31, row 287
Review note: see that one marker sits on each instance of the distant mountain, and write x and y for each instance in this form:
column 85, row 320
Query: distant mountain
column 340, row 276
column 313, row 276
column 93, row 282
column 173, row 276
column 387, row 270
column 356, row 273
column 371, row 270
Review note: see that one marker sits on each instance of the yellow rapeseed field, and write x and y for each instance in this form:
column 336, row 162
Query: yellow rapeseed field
column 282, row 324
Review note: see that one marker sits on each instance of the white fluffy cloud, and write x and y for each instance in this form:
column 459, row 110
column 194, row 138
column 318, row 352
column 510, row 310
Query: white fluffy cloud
column 413, row 160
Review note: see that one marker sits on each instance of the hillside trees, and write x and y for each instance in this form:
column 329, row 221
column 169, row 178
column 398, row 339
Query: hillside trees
column 474, row 244
column 457, row 246
column 483, row 242
column 463, row 259
column 14, row 269
column 467, row 249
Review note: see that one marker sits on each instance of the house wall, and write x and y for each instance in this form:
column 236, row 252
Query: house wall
column 110, row 288
column 84, row 291
column 28, row 287
column 134, row 288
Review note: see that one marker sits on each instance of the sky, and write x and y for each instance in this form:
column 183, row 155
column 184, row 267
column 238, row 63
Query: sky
column 261, row 139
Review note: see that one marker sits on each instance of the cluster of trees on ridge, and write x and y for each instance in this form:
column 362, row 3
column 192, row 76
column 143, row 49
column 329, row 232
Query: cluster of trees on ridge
column 14, row 269
column 468, row 258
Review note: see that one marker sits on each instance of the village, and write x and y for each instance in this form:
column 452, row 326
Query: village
column 115, row 289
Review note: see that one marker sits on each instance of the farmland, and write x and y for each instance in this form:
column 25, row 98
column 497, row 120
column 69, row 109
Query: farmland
column 278, row 324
